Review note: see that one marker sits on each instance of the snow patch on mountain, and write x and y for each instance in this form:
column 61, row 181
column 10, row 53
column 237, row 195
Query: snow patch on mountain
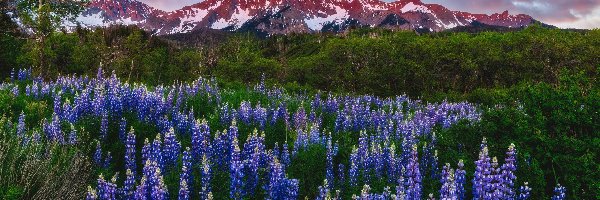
column 91, row 20
column 316, row 23
column 411, row 7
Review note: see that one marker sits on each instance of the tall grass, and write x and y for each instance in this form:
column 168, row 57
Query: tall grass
column 32, row 169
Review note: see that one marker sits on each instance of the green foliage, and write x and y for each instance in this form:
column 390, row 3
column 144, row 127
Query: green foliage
column 365, row 61
column 391, row 63
column 309, row 171
column 10, row 43
column 43, row 170
column 44, row 17
column 555, row 129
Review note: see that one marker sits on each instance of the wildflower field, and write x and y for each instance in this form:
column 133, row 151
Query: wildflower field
column 102, row 138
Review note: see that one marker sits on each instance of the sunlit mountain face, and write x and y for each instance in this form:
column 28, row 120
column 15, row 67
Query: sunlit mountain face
column 291, row 16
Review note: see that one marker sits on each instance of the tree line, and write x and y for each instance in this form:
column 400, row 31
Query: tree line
column 365, row 61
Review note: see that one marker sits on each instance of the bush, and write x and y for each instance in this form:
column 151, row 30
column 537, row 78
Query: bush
column 555, row 130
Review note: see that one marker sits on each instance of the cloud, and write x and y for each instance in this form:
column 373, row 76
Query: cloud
column 589, row 20
column 562, row 13
column 170, row 5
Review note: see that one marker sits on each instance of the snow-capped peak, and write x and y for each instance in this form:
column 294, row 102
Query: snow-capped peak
column 287, row 16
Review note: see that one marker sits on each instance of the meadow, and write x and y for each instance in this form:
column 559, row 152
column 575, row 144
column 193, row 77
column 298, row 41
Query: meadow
column 103, row 138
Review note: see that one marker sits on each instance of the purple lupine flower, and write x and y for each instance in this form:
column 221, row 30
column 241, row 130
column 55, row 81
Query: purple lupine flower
column 141, row 192
column 98, row 154
column 200, row 140
column 57, row 102
column 171, row 148
column 98, row 102
column 107, row 190
column 448, row 190
column 225, row 114
column 123, row 129
column 376, row 160
column 524, row 192
column 559, row 192
column 104, row 126
column 275, row 151
column 341, row 175
column 100, row 74
column 460, row 176
column 82, row 102
column 205, row 192
column 156, row 154
column 28, row 91
column 91, row 194
column 285, row 156
column 444, row 179
column 364, row 193
column 324, row 192
column 300, row 143
column 21, row 125
column 339, row 122
column 222, row 146
column 53, row 129
column 23, row 74
column 107, row 160
column 260, row 116
column 400, row 189
column 291, row 190
column 482, row 178
column 232, row 134
column 278, row 186
column 128, row 186
column 68, row 112
column 508, row 173
column 413, row 176
column 146, row 151
column 252, row 167
column 434, row 159
column 186, row 170
column 114, row 101
column 196, row 140
column 245, row 112
column 236, row 173
column 15, row 91
column 155, row 183
column 354, row 168
column 185, row 176
column 184, row 193
column 329, row 169
column 299, row 118
column 130, row 161
column 260, row 87
column 73, row 135
column 389, row 161
column 497, row 188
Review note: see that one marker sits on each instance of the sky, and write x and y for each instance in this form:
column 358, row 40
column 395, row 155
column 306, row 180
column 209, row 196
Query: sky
column 561, row 13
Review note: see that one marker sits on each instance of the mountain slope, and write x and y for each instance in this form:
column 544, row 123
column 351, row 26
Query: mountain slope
column 290, row 16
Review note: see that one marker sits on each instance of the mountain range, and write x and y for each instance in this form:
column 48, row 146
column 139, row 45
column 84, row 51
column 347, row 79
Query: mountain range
column 290, row 16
